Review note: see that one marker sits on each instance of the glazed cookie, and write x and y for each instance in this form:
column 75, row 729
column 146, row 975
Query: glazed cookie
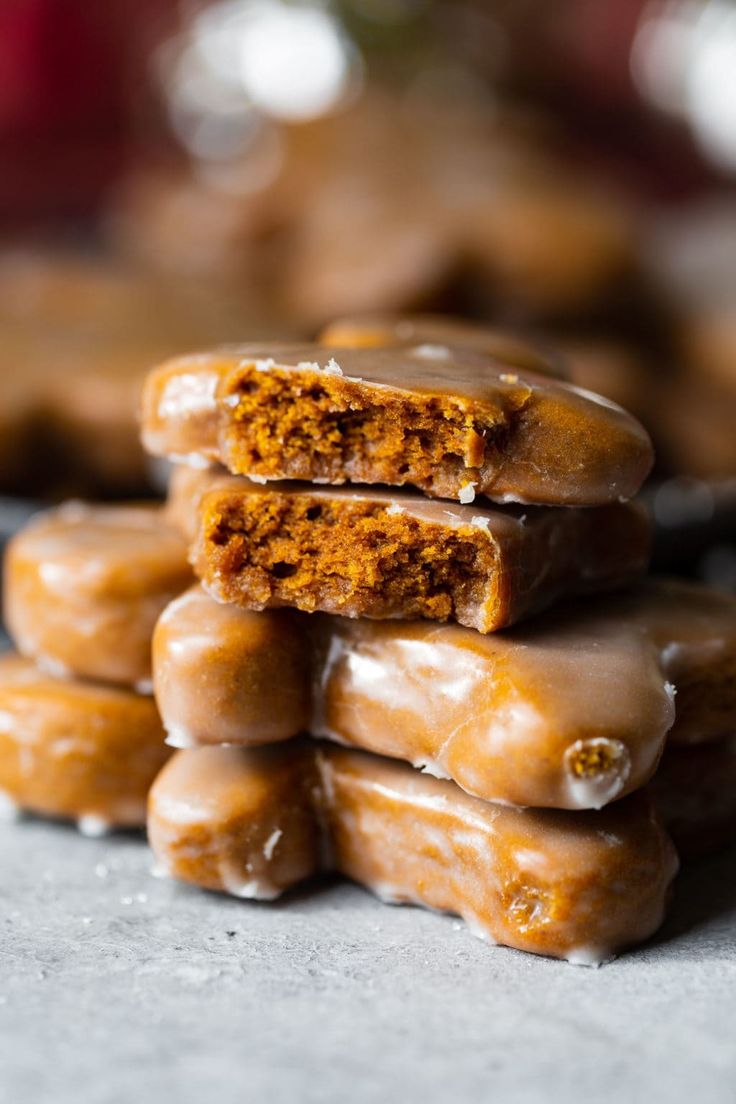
column 76, row 750
column 238, row 821
column 451, row 423
column 230, row 676
column 577, row 886
column 570, row 711
column 367, row 553
column 84, row 586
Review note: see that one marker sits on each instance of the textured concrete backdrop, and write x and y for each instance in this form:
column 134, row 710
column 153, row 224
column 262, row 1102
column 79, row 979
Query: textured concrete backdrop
column 116, row 987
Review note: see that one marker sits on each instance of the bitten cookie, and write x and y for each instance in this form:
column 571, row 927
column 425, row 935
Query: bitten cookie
column 367, row 553
column 446, row 421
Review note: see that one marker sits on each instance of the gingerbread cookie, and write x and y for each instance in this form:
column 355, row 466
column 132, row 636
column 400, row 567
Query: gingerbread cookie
column 75, row 750
column 447, row 422
column 84, row 586
column 577, row 886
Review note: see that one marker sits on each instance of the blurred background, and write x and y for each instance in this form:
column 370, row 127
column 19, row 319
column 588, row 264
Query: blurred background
column 177, row 174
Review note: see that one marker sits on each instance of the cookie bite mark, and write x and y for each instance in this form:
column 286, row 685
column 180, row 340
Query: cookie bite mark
column 397, row 416
column 386, row 556
column 322, row 426
column 356, row 558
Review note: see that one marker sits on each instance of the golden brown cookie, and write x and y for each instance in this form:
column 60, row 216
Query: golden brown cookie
column 230, row 676
column 571, row 710
column 84, row 586
column 370, row 553
column 237, row 821
column 448, row 422
column 577, row 886
column 75, row 750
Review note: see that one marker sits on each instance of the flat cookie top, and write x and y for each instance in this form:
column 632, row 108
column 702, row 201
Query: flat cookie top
column 375, row 331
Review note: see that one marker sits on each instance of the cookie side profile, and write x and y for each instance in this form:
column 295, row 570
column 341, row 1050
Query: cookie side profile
column 76, row 750
column 448, row 422
column 569, row 711
column 577, row 886
column 363, row 553
column 84, row 586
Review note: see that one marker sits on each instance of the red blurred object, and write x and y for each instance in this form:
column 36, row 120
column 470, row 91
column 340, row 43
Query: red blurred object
column 69, row 73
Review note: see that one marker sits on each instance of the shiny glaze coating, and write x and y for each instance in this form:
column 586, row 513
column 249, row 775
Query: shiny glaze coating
column 437, row 418
column 569, row 711
column 230, row 676
column 84, row 586
column 576, row 886
column 76, row 750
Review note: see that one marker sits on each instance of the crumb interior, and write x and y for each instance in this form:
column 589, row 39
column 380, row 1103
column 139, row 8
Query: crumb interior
column 346, row 556
column 593, row 759
column 310, row 425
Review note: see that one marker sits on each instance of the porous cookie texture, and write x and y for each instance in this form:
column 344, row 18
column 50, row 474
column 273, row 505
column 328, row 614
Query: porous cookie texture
column 76, row 750
column 84, row 586
column 569, row 711
column 254, row 822
column 388, row 555
column 447, row 421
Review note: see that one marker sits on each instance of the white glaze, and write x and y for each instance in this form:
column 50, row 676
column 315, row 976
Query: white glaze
column 93, row 826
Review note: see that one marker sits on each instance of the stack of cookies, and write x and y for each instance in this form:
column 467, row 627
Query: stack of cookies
column 471, row 715
column 80, row 735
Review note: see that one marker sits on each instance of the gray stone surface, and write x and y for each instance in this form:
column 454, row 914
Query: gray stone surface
column 118, row 987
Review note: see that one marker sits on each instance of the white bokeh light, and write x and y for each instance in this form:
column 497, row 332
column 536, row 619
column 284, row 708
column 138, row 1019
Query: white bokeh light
column 241, row 60
column 294, row 61
column 711, row 83
column 684, row 62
